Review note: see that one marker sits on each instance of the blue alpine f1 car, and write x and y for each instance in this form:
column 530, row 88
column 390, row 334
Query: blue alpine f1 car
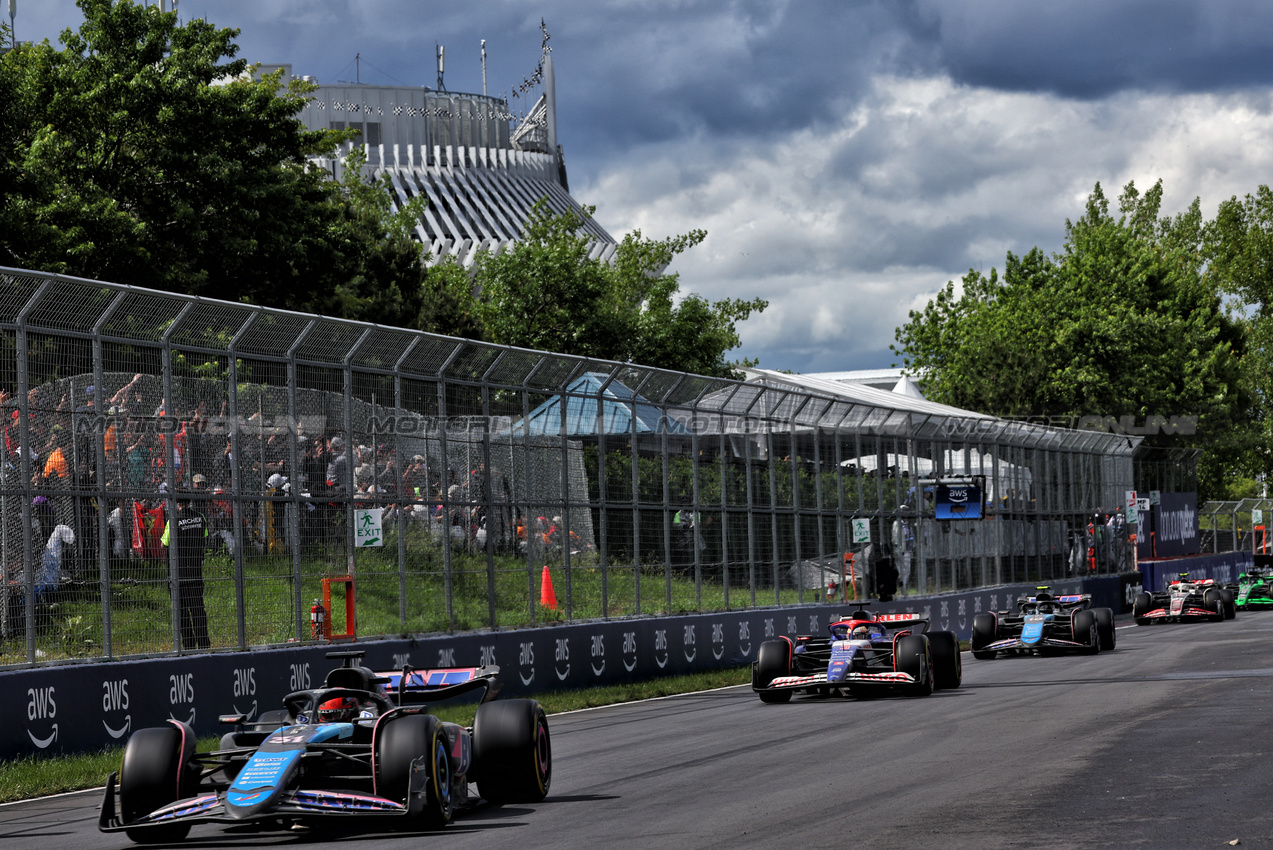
column 1043, row 624
column 361, row 746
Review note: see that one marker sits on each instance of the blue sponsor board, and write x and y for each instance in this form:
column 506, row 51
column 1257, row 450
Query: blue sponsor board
column 958, row 501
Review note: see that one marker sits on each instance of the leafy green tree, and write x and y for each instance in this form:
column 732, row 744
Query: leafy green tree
column 546, row 292
column 1238, row 245
column 143, row 152
column 1122, row 322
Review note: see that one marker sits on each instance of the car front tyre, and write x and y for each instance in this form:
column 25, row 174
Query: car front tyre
column 156, row 770
column 512, row 751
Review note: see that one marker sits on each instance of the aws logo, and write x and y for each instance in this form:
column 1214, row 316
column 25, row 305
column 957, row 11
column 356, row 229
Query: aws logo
column 115, row 699
column 744, row 637
column 446, row 657
column 718, row 641
column 181, row 693
column 526, row 662
column 690, row 650
column 598, row 651
column 629, row 649
column 487, row 656
column 300, row 677
column 562, row 654
column 401, row 659
column 42, row 705
column 660, row 646
column 244, row 687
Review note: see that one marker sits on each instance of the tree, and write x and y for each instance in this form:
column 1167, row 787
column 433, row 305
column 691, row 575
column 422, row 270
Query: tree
column 1238, row 245
column 1122, row 322
column 143, row 152
column 546, row 292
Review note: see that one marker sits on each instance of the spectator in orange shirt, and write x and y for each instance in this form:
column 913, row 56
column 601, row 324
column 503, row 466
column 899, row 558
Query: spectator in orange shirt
column 55, row 465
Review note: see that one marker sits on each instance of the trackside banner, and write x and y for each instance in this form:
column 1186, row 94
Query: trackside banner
column 79, row 708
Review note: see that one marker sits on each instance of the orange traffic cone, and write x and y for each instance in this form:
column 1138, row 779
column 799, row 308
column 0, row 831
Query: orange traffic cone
column 547, row 597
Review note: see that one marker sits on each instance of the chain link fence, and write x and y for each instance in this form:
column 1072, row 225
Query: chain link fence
column 452, row 485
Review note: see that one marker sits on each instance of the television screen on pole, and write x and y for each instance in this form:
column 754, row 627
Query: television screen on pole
column 958, row 501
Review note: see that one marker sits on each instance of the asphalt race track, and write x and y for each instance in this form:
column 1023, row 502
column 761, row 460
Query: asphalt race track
column 1165, row 742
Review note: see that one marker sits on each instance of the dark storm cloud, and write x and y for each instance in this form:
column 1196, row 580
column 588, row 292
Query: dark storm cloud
column 1093, row 48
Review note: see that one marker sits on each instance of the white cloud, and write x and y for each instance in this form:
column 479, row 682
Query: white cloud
column 846, row 228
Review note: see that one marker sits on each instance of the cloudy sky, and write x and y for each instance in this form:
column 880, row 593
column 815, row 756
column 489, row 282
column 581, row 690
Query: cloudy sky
column 846, row 158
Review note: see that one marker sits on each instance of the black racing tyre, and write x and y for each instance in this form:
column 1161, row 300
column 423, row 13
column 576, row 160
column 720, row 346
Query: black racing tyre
column 157, row 769
column 401, row 741
column 985, row 628
column 1213, row 601
column 1142, row 605
column 773, row 660
column 948, row 667
column 512, row 751
column 1230, row 603
column 1086, row 632
column 1105, row 627
column 914, row 655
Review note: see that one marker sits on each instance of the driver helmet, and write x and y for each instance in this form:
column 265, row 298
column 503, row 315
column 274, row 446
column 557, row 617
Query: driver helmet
column 860, row 632
column 338, row 710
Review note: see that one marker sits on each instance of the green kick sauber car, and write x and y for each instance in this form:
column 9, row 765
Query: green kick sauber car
column 1254, row 589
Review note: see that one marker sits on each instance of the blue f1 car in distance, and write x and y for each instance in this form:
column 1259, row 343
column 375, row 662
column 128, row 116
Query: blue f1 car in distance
column 361, row 746
column 1044, row 623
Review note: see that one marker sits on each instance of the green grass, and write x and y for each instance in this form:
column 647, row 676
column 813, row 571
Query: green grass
column 34, row 776
column 141, row 607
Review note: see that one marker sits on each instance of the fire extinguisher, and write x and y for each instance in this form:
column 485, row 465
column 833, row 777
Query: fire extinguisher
column 317, row 621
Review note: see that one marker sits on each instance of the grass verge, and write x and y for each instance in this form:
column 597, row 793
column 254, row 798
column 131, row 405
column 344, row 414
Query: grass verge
column 26, row 778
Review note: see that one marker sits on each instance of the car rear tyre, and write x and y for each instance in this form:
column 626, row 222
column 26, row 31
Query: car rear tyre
column 1213, row 601
column 773, row 660
column 402, row 741
column 512, row 751
column 157, row 769
column 985, row 629
column 1085, row 631
column 1230, row 604
column 914, row 655
column 1105, row 627
column 948, row 668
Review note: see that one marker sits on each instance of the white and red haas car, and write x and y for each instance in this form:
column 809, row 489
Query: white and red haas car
column 1185, row 600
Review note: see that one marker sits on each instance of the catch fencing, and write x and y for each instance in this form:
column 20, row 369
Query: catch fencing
column 452, row 485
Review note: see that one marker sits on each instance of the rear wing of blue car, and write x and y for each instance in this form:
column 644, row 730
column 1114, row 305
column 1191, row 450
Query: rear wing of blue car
column 410, row 686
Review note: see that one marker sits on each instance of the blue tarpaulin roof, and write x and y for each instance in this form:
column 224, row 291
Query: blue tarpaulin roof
column 619, row 407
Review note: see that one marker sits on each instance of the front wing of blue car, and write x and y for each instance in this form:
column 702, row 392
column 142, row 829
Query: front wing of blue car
column 1020, row 643
column 297, row 803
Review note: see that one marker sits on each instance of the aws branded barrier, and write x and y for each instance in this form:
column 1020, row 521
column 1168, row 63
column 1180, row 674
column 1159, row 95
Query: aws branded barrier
column 84, row 707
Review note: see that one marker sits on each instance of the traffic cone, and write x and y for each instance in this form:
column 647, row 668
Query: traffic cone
column 547, row 597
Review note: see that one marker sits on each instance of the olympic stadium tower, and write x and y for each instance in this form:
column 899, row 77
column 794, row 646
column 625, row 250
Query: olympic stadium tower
column 480, row 167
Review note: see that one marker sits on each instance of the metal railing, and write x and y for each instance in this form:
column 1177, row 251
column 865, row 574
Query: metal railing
column 463, row 484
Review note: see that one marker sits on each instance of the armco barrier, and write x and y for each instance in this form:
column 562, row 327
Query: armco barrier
column 1222, row 567
column 84, row 707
